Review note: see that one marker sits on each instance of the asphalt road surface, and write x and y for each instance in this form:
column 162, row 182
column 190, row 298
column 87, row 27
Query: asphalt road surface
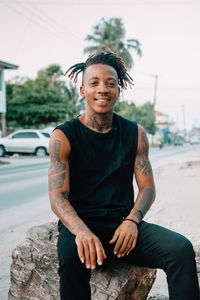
column 24, row 198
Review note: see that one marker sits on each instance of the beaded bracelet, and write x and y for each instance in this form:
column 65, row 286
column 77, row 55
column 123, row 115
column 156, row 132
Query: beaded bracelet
column 131, row 221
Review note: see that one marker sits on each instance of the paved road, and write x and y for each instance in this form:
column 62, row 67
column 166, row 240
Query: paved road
column 24, row 198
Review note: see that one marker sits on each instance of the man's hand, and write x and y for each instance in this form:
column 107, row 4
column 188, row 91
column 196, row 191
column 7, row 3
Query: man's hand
column 125, row 237
column 90, row 249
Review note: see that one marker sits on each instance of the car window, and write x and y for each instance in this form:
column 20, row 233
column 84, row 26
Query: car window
column 25, row 135
column 32, row 135
column 20, row 135
column 46, row 134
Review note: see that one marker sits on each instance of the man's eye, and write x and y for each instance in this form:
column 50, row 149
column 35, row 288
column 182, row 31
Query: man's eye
column 93, row 82
column 111, row 83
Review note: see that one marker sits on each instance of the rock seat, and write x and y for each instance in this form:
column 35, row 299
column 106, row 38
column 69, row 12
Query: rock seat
column 34, row 272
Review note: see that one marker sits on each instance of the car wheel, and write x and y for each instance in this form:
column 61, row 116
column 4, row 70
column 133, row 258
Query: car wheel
column 40, row 152
column 2, row 151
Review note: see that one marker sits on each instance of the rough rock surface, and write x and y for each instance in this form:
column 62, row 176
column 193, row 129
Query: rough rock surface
column 34, row 272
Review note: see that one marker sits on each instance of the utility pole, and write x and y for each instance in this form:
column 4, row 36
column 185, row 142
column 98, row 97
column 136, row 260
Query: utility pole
column 155, row 89
column 183, row 111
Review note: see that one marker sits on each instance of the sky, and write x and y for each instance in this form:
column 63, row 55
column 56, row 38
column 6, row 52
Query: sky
column 36, row 33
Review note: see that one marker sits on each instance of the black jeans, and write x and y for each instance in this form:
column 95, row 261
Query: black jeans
column 157, row 247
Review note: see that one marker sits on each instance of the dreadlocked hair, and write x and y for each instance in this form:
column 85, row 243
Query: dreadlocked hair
column 112, row 59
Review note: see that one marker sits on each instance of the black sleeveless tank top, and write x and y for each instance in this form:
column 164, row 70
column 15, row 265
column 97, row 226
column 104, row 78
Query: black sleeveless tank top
column 101, row 167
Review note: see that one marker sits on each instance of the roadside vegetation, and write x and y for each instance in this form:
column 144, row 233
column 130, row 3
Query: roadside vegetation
column 48, row 100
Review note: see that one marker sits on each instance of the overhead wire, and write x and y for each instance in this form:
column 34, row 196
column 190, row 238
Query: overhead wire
column 107, row 3
column 53, row 23
column 42, row 23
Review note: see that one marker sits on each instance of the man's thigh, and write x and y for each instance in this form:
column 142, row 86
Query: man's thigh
column 156, row 246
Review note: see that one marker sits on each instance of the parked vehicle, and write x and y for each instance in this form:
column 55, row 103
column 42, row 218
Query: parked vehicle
column 194, row 140
column 25, row 141
column 178, row 140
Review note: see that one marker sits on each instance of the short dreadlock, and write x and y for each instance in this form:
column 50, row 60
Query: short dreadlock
column 112, row 59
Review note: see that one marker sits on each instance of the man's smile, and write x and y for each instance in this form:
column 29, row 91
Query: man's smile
column 102, row 101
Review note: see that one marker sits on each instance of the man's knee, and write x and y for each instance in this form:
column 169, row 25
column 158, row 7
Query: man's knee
column 183, row 250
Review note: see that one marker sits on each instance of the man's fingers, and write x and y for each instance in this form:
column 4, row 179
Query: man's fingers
column 118, row 245
column 115, row 237
column 92, row 250
column 129, row 245
column 80, row 250
column 100, row 253
column 87, row 256
column 124, row 245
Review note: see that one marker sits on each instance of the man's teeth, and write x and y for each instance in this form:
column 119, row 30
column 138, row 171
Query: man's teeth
column 102, row 100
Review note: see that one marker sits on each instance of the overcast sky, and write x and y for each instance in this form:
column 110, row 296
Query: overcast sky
column 36, row 33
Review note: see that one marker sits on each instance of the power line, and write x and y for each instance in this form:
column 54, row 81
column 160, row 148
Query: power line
column 42, row 24
column 155, row 89
column 92, row 3
column 53, row 23
column 20, row 42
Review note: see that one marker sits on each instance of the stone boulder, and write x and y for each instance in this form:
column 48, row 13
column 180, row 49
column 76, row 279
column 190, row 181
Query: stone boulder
column 34, row 272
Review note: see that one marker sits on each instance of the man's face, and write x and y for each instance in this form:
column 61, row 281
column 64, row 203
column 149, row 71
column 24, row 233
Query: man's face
column 100, row 88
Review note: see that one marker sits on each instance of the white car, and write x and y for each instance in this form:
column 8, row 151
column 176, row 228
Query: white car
column 25, row 141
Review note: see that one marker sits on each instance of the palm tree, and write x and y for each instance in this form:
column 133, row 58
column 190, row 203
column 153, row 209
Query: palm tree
column 110, row 36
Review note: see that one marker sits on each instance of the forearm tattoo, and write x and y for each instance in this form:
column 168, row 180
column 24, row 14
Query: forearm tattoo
column 143, row 164
column 67, row 214
column 144, row 202
column 143, row 168
column 60, row 200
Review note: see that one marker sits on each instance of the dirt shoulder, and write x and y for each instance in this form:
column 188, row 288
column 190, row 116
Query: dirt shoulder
column 176, row 206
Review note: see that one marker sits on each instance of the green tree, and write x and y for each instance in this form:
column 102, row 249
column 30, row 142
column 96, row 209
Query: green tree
column 143, row 114
column 44, row 100
column 146, row 117
column 109, row 35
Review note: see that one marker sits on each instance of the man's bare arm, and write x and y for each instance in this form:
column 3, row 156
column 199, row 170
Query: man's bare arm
column 126, row 234
column 144, row 179
column 59, row 150
column 89, row 246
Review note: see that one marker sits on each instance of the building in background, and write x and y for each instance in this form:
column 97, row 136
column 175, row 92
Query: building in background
column 4, row 66
column 166, row 127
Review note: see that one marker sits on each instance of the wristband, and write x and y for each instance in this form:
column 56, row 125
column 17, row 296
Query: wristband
column 131, row 221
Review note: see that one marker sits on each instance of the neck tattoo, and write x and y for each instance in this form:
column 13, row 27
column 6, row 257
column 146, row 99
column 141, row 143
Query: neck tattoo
column 100, row 122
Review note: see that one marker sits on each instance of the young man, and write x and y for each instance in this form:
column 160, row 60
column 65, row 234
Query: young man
column 93, row 159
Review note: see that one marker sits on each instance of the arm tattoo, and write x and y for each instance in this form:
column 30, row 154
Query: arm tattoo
column 65, row 211
column 59, row 200
column 56, row 166
column 142, row 164
column 147, row 197
column 56, row 182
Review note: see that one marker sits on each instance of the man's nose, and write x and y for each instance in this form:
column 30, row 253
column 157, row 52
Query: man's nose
column 102, row 88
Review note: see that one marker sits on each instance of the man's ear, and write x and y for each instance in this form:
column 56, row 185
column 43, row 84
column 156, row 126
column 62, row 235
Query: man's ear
column 82, row 91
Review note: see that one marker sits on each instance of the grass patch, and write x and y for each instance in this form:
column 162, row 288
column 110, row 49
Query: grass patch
column 4, row 162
